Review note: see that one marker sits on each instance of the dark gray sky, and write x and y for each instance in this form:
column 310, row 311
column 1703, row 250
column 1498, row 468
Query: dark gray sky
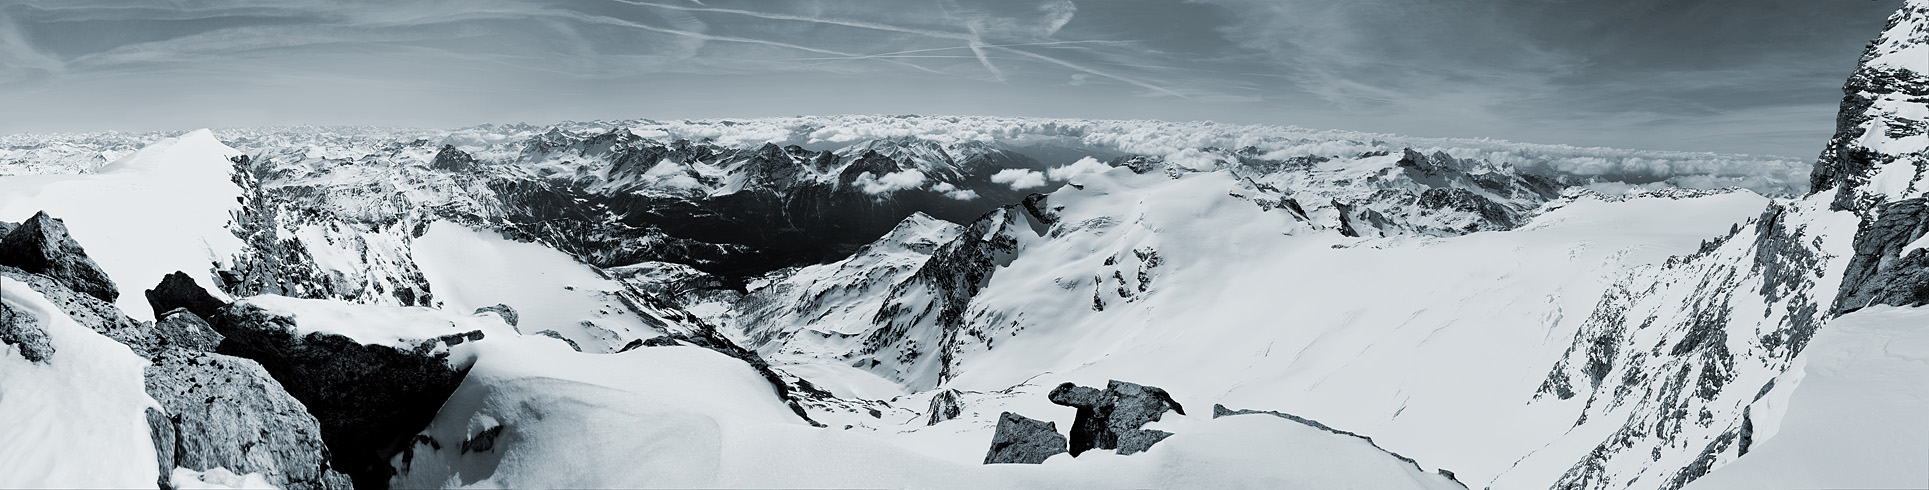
column 1746, row 76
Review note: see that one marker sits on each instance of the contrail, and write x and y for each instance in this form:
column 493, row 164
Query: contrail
column 708, row 37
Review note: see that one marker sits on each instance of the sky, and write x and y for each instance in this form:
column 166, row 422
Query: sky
column 1734, row 76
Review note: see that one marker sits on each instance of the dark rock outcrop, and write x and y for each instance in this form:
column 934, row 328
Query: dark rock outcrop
column 1111, row 419
column 369, row 399
column 26, row 332
column 657, row 341
column 1880, row 273
column 177, row 290
column 944, row 406
column 6, row 228
column 508, row 314
column 451, row 159
column 227, row 412
column 1024, row 440
column 41, row 246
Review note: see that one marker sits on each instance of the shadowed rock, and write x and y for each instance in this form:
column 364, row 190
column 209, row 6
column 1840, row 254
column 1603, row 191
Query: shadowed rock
column 944, row 406
column 508, row 314
column 1111, row 419
column 42, row 246
column 657, row 341
column 178, row 290
column 1024, row 440
column 27, row 332
column 452, row 159
column 227, row 412
column 369, row 399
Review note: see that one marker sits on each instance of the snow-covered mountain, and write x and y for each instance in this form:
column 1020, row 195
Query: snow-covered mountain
column 895, row 301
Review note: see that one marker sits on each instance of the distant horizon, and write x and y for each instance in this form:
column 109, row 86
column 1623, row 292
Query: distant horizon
column 175, row 132
column 1758, row 77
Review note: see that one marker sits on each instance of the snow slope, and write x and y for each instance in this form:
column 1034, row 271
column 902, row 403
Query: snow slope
column 401, row 327
column 77, row 420
column 1854, row 417
column 470, row 269
column 557, row 418
column 162, row 209
column 1423, row 343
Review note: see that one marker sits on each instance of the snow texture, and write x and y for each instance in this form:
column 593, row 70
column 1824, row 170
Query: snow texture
column 1854, row 416
column 161, row 209
column 60, row 420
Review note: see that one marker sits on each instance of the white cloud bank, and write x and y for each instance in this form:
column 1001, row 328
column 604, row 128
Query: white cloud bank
column 1019, row 179
column 1083, row 166
column 891, row 182
column 954, row 192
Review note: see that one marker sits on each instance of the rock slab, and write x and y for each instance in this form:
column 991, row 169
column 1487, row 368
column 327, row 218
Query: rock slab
column 42, row 246
column 1024, row 440
column 1111, row 418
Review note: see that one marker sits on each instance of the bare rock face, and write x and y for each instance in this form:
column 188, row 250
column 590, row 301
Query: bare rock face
column 26, row 332
column 225, row 411
column 451, row 159
column 1024, row 440
column 369, row 399
column 1111, row 419
column 177, row 290
column 1875, row 165
column 41, row 246
column 944, row 406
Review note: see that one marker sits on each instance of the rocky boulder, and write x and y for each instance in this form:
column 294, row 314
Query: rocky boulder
column 1024, row 440
column 944, row 406
column 370, row 400
column 178, row 290
column 41, row 246
column 1111, row 419
column 227, row 412
column 96, row 314
column 26, row 332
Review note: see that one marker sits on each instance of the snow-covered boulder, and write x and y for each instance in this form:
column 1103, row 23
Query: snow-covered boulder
column 88, row 311
column 24, row 331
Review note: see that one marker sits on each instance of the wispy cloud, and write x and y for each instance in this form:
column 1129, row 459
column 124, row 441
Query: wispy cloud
column 1714, row 75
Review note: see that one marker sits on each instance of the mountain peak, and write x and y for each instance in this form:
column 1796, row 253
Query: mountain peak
column 1880, row 146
